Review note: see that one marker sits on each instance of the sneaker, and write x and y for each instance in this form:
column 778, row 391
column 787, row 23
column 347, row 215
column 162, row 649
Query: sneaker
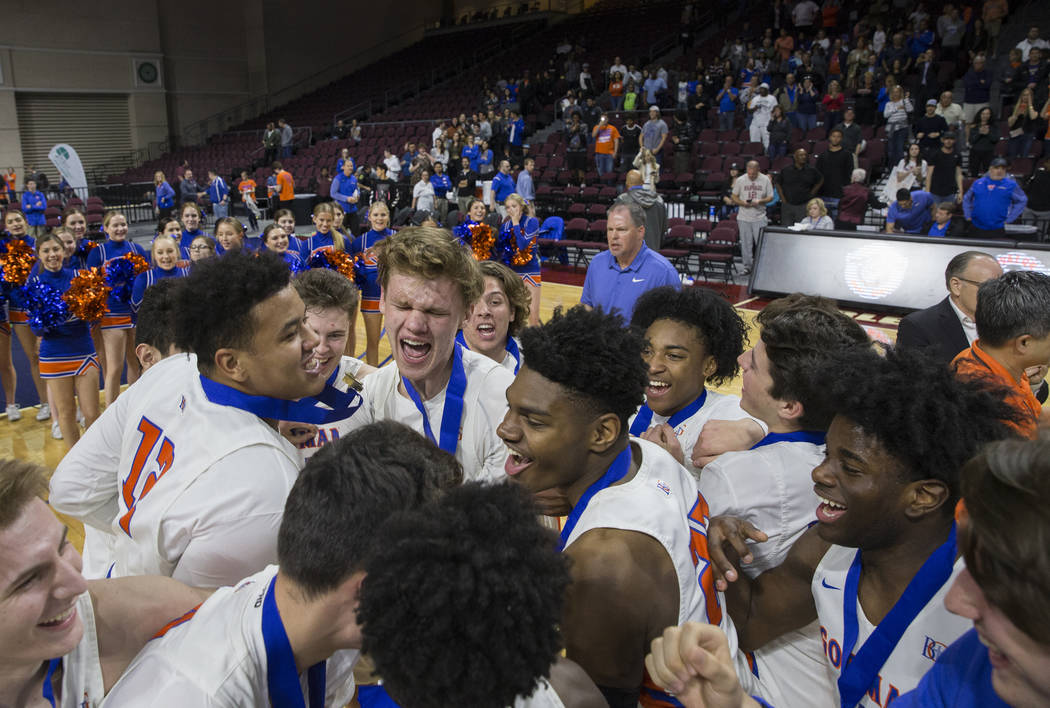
column 56, row 431
column 80, row 417
column 14, row 412
column 44, row 413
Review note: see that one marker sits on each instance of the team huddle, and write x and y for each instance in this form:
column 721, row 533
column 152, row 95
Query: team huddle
column 565, row 514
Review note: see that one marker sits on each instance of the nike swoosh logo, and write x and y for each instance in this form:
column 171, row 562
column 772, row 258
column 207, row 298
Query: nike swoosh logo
column 637, row 280
column 824, row 582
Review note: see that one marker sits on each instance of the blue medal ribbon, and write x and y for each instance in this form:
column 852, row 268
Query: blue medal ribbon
column 49, row 690
column 811, row 436
column 512, row 347
column 282, row 680
column 452, row 413
column 644, row 419
column 617, row 470
column 858, row 672
column 342, row 404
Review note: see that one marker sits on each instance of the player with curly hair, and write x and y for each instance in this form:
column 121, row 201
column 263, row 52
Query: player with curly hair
column 692, row 337
column 498, row 316
column 635, row 529
column 259, row 642
column 884, row 540
column 462, row 602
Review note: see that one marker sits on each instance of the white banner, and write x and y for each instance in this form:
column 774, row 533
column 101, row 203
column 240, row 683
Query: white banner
column 66, row 159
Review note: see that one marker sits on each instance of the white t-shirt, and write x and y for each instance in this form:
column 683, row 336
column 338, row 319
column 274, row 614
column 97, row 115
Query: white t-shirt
column 480, row 451
column 763, row 108
column 922, row 642
column 199, row 488
column 217, row 658
column 752, row 189
column 423, row 193
column 393, row 166
column 772, row 487
column 717, row 406
column 330, row 432
column 804, row 13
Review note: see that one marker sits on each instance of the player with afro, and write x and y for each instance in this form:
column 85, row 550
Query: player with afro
column 904, row 426
column 692, row 337
column 462, row 602
column 631, row 505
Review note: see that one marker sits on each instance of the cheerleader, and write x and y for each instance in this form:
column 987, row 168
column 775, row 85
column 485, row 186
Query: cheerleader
column 118, row 324
column 498, row 316
column 379, row 220
column 229, row 234
column 326, row 237
column 516, row 245
column 67, row 355
column 164, row 253
column 75, row 220
column 17, row 229
column 275, row 239
column 190, row 215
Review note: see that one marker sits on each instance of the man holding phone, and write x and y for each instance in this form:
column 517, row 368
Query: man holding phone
column 606, row 145
column 752, row 191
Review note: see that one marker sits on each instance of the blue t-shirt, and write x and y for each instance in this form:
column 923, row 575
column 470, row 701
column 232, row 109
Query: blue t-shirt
column 441, row 184
column 503, row 186
column 342, row 189
column 961, row 678
column 914, row 220
column 616, row 289
column 727, row 104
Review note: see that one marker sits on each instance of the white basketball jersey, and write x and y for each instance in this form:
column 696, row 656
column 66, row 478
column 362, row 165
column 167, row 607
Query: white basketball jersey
column 217, row 658
column 717, row 406
column 543, row 697
column 82, row 685
column 330, row 432
column 480, row 450
column 926, row 637
column 192, row 469
column 772, row 487
column 662, row 501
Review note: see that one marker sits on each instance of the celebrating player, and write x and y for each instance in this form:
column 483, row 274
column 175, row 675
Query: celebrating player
column 497, row 316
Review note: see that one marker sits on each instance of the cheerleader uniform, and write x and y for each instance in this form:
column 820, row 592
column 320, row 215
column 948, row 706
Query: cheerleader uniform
column 522, row 236
column 67, row 349
column 144, row 280
column 310, row 245
column 186, row 241
column 370, row 266
column 119, row 313
column 16, row 314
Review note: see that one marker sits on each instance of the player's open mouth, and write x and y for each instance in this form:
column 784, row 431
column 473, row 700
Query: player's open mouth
column 655, row 389
column 313, row 366
column 414, row 350
column 829, row 511
column 996, row 658
column 60, row 621
column 486, row 330
column 516, row 463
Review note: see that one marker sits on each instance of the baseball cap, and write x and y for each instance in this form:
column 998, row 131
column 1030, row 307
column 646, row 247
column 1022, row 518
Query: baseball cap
column 764, row 85
column 949, row 134
column 932, row 102
column 999, row 162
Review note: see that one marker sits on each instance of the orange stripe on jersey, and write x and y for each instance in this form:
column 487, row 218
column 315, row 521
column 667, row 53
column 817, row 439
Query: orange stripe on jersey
column 176, row 622
column 652, row 696
column 58, row 368
column 532, row 280
column 111, row 321
column 369, row 305
column 698, row 518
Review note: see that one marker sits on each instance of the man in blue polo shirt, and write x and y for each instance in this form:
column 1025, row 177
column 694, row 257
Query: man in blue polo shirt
column 503, row 185
column 911, row 213
column 617, row 278
column 344, row 190
column 993, row 201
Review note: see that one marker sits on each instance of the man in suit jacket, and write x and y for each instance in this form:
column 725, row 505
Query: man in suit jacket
column 948, row 327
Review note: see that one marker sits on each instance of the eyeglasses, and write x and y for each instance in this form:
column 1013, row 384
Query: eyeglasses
column 204, row 247
column 975, row 283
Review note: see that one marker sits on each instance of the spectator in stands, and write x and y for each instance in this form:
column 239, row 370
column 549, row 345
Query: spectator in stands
column 284, row 187
column 393, row 165
column 1037, row 189
column 246, row 188
column 34, row 203
column 752, row 191
column 855, row 201
column 949, row 110
column 576, row 147
column 779, row 134
column 728, row 205
column 346, row 193
column 804, row 15
column 983, row 136
column 637, row 192
column 606, row 145
column 787, row 98
column 928, row 130
column 683, row 138
column 630, row 140
column 654, row 133
column 466, row 184
column 727, row 104
column 993, row 201
column 950, row 29
column 835, row 166
column 927, row 86
column 944, row 177
column 524, row 185
column 423, row 193
column 271, row 142
column 834, row 103
column 1032, row 41
column 515, row 134
column 355, row 132
column 797, row 184
column 442, row 185
column 219, row 195
column 808, row 98
column 911, row 213
column 944, row 223
column 164, row 196
column 503, row 186
column 852, row 137
column 188, row 188
column 654, row 87
column 646, row 163
column 1022, row 124
column 897, row 111
column 977, row 85
column 761, row 107
column 485, row 164
column 286, row 138
column 616, row 278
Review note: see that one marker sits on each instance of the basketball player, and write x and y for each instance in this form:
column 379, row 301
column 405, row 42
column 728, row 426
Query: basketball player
column 636, row 529
column 692, row 337
column 289, row 635
column 438, row 388
column 203, row 472
column 903, row 429
column 331, row 303
column 64, row 640
column 770, row 485
column 462, row 561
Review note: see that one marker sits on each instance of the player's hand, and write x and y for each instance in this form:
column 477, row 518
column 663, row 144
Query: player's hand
column 718, row 436
column 663, row 435
column 730, row 532
column 693, row 663
column 1035, row 375
column 296, row 433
